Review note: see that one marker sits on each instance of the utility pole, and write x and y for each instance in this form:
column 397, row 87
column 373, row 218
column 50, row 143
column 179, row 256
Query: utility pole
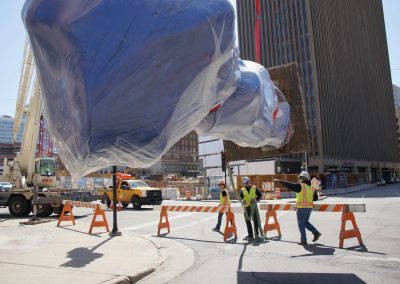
column 115, row 231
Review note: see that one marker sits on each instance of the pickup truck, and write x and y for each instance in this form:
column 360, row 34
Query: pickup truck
column 133, row 191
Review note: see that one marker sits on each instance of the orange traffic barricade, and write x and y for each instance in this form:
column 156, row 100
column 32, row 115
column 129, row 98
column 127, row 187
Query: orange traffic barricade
column 99, row 211
column 346, row 210
column 230, row 227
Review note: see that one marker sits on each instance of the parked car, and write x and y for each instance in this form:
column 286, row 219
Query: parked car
column 381, row 182
column 5, row 186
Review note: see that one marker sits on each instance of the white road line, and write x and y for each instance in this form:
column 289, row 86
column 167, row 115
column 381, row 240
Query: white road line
column 193, row 223
column 371, row 258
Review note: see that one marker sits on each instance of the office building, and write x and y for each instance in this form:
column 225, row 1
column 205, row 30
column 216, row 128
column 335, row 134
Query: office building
column 9, row 150
column 396, row 96
column 6, row 129
column 181, row 159
column 341, row 50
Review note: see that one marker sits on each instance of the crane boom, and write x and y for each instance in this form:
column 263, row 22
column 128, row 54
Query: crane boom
column 26, row 156
column 25, row 170
column 27, row 68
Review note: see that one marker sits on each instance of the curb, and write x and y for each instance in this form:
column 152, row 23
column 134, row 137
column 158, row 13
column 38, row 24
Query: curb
column 137, row 276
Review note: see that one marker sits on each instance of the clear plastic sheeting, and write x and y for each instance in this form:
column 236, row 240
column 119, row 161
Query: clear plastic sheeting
column 255, row 115
column 123, row 81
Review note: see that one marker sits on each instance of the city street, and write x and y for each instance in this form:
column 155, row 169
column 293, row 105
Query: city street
column 195, row 253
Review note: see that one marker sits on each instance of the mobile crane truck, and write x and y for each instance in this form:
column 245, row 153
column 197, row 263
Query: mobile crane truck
column 26, row 171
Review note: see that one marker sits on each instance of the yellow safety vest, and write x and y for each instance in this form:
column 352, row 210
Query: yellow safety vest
column 222, row 199
column 305, row 198
column 249, row 196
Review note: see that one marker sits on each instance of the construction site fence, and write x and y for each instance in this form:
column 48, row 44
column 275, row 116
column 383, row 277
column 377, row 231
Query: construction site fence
column 328, row 181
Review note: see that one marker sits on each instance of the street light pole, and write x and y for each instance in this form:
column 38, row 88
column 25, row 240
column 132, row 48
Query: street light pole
column 115, row 231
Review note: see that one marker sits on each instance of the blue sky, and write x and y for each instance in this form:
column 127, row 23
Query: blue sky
column 12, row 37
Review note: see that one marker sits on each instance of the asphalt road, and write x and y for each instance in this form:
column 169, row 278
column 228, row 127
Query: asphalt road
column 196, row 254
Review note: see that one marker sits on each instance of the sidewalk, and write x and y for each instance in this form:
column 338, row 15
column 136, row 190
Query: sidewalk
column 45, row 253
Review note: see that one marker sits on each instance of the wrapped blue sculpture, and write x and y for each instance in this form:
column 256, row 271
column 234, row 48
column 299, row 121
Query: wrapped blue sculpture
column 123, row 81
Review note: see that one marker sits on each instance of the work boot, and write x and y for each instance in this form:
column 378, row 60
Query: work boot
column 316, row 236
column 303, row 243
column 249, row 238
column 259, row 239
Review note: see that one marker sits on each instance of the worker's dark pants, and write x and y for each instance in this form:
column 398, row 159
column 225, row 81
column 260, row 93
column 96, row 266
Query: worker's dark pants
column 220, row 221
column 303, row 215
column 248, row 223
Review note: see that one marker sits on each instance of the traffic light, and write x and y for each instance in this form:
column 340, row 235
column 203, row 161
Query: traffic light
column 232, row 170
column 223, row 161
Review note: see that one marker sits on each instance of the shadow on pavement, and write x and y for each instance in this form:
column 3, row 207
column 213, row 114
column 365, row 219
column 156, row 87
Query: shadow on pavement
column 317, row 247
column 133, row 209
column 5, row 217
column 233, row 241
column 65, row 227
column 82, row 256
column 283, row 277
column 240, row 265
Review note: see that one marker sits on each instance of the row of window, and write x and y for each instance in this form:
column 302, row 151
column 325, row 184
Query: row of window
column 180, row 167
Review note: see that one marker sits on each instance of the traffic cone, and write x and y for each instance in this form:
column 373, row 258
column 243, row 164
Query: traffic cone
column 119, row 206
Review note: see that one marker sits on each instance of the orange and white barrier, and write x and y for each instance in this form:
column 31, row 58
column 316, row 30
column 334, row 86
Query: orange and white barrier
column 99, row 211
column 326, row 207
column 84, row 204
column 230, row 217
column 201, row 208
column 347, row 215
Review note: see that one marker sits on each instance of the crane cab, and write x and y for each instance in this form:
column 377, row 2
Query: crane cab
column 45, row 172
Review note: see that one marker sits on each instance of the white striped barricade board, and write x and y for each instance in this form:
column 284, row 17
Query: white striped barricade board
column 85, row 204
column 321, row 207
column 199, row 209
column 230, row 217
column 66, row 214
column 347, row 211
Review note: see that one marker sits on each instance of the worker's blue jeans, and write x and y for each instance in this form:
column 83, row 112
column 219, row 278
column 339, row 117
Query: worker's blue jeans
column 303, row 215
column 220, row 221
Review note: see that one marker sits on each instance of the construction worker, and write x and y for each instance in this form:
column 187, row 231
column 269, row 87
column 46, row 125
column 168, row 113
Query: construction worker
column 224, row 200
column 249, row 195
column 305, row 196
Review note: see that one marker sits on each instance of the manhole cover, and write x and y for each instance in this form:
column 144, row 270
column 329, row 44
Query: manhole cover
column 20, row 240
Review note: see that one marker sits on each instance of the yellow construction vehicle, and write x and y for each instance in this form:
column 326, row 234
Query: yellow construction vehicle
column 130, row 190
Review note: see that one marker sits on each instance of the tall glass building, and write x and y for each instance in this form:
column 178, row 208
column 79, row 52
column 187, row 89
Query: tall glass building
column 6, row 129
column 341, row 51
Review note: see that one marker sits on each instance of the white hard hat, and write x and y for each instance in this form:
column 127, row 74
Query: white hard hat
column 304, row 175
column 221, row 181
column 245, row 180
